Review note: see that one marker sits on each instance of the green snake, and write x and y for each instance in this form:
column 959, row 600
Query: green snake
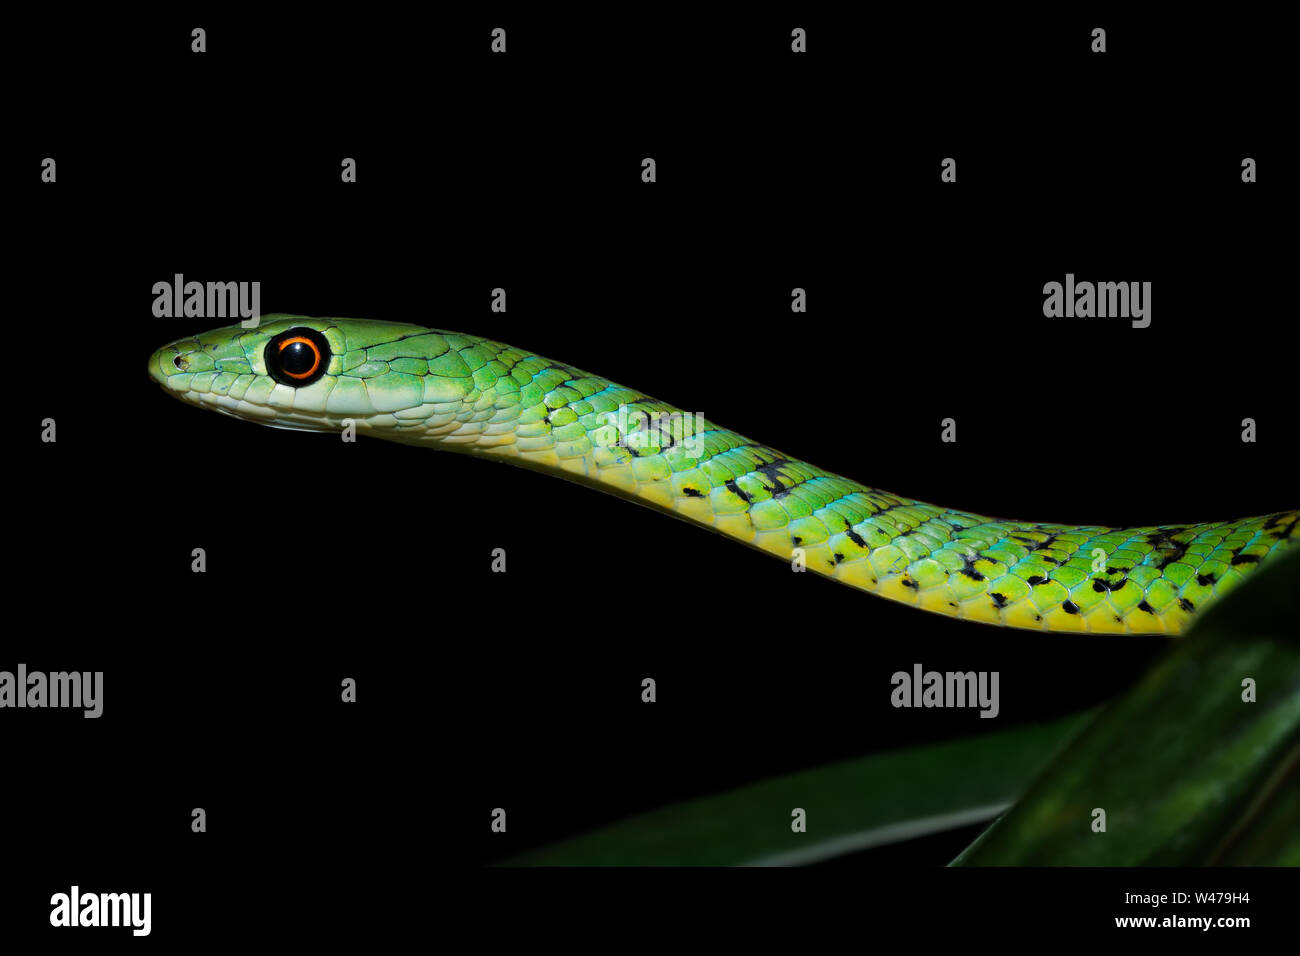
column 463, row 393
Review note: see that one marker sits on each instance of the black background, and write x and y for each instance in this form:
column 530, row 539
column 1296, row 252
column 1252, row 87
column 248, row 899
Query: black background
column 372, row 561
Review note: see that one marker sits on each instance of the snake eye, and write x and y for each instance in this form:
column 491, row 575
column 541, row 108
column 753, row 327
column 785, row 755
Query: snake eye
column 297, row 357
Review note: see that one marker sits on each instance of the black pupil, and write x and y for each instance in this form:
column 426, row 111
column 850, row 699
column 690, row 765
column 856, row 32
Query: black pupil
column 297, row 358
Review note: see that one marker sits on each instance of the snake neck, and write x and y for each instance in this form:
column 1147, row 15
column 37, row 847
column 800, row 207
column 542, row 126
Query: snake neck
column 1051, row 577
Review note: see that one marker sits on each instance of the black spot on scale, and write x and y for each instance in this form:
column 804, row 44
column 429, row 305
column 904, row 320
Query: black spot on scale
column 692, row 493
column 1144, row 606
column 1177, row 552
column 1205, row 580
column 1118, row 619
column 1245, row 559
column 999, row 601
column 1286, row 532
column 796, row 540
column 909, row 583
column 838, row 557
column 1110, row 570
column 1186, row 605
column 1164, row 538
column 734, row 488
column 856, row 538
column 1069, row 607
column 1036, row 579
column 772, row 470
column 1100, row 586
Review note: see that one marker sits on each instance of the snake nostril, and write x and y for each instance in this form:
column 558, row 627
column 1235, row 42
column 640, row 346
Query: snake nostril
column 180, row 363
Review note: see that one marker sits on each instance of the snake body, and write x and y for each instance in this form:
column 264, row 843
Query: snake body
column 468, row 394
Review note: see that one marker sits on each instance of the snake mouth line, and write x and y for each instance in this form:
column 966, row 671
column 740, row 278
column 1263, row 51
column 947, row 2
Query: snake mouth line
column 265, row 414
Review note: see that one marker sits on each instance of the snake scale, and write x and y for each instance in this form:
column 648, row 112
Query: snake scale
column 463, row 393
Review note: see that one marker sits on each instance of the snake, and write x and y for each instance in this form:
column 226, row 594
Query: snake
column 408, row 383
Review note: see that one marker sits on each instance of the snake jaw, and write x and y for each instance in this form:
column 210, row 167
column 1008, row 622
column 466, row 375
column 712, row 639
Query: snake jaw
column 225, row 370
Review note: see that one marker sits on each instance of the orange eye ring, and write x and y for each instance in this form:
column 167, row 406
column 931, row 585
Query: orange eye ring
column 315, row 352
column 297, row 357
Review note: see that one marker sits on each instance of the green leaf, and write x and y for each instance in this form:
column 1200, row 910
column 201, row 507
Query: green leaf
column 1186, row 771
column 850, row 805
column 1269, row 834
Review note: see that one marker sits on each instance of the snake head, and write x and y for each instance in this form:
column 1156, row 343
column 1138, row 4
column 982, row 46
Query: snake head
column 318, row 374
